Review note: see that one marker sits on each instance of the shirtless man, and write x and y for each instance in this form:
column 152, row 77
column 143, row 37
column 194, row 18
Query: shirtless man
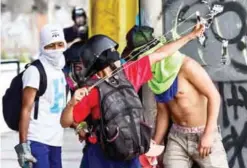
column 194, row 135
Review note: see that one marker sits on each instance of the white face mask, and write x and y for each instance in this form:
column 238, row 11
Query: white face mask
column 54, row 57
column 50, row 34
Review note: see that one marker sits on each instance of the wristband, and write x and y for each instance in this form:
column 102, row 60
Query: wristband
column 81, row 126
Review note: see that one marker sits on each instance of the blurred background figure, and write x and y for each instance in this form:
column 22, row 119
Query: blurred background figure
column 75, row 36
column 79, row 31
column 22, row 21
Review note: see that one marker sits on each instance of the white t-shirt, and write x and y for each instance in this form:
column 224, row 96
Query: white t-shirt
column 47, row 129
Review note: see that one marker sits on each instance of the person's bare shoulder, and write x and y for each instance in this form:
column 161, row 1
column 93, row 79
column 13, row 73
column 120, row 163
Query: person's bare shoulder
column 189, row 64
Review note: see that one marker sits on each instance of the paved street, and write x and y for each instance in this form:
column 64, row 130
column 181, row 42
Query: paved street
column 71, row 149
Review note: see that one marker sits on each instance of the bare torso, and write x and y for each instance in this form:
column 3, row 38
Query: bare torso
column 189, row 108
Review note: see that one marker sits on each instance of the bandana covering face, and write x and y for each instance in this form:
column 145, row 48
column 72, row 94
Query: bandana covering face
column 51, row 34
column 164, row 72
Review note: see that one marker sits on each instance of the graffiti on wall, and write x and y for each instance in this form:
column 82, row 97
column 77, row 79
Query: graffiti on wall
column 223, row 53
column 233, row 121
column 225, row 39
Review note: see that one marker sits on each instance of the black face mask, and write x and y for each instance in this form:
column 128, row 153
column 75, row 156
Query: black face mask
column 82, row 29
column 77, row 71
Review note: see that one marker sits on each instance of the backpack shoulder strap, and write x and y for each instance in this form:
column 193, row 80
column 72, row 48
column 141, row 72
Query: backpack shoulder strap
column 42, row 85
column 43, row 77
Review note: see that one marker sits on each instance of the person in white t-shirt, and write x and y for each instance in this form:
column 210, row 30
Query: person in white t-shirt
column 41, row 138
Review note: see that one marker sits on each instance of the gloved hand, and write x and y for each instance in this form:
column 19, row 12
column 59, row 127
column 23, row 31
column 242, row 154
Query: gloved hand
column 25, row 158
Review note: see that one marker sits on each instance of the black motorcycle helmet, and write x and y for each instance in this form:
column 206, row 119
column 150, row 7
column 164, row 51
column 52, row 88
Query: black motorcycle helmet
column 78, row 11
column 97, row 53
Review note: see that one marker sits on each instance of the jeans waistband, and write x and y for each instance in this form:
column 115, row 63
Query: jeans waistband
column 187, row 130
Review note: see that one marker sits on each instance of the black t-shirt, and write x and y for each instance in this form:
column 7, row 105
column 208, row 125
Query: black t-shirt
column 71, row 34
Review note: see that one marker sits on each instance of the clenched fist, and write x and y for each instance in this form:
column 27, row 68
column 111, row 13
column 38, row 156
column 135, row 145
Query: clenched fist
column 78, row 95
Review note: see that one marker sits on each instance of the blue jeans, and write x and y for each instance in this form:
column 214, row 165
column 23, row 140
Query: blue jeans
column 93, row 157
column 47, row 156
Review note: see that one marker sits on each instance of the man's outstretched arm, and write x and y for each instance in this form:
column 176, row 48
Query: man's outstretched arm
column 170, row 48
